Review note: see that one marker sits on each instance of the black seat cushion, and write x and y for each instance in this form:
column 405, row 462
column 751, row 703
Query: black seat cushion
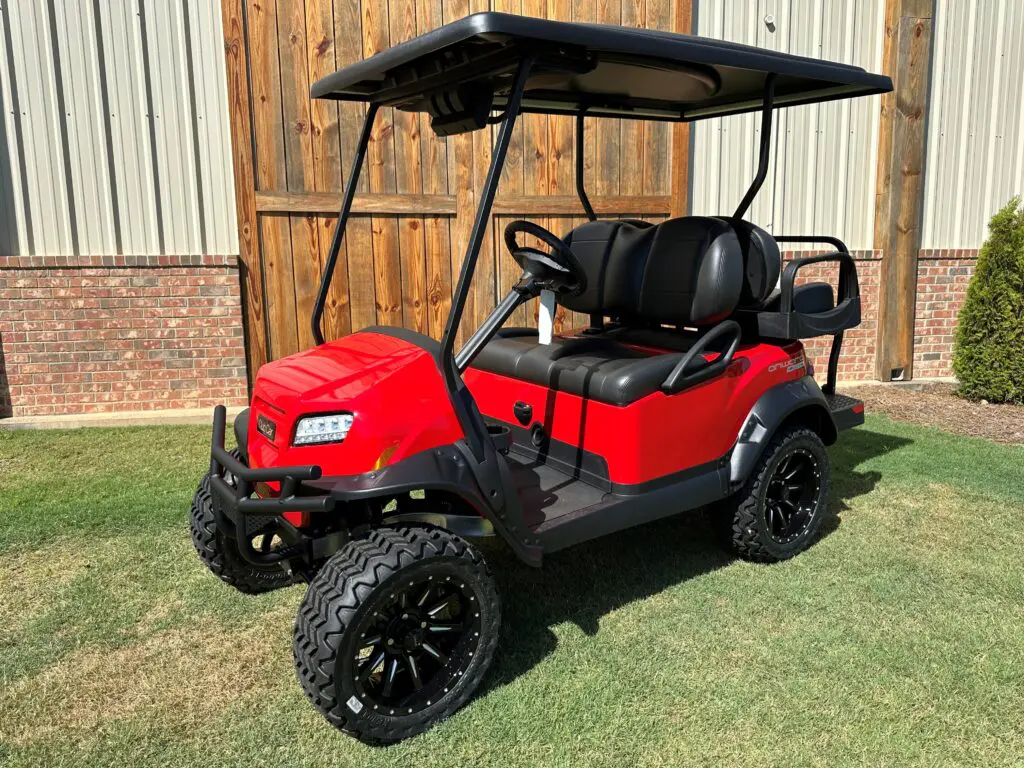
column 594, row 367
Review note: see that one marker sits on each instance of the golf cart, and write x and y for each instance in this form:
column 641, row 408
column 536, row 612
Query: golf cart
column 365, row 463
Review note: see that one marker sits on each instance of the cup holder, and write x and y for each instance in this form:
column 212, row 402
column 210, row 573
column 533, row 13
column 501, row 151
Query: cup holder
column 501, row 436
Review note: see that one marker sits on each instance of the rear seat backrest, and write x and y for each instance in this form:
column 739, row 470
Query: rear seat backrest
column 686, row 271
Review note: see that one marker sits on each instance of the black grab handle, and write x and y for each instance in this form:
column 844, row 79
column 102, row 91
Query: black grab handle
column 680, row 379
column 847, row 289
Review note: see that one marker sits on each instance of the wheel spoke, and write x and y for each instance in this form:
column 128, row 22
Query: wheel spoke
column 414, row 672
column 438, row 607
column 423, row 597
column 441, row 658
column 781, row 470
column 389, row 679
column 366, row 671
column 369, row 642
column 440, row 627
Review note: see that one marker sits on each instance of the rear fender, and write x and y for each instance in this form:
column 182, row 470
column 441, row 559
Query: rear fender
column 800, row 400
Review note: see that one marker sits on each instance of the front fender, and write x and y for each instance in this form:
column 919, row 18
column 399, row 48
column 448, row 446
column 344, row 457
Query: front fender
column 802, row 396
column 444, row 468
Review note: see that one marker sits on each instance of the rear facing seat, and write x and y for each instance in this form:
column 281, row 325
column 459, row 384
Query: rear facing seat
column 682, row 272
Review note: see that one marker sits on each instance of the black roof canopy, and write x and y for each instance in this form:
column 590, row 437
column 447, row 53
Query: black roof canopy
column 468, row 67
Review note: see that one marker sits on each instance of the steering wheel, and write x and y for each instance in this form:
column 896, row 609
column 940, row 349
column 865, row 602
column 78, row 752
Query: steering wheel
column 557, row 270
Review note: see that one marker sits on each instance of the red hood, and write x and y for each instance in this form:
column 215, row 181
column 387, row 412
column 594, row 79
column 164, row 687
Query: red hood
column 391, row 386
column 335, row 372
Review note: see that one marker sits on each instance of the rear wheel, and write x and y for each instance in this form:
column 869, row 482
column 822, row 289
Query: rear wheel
column 219, row 551
column 395, row 632
column 780, row 510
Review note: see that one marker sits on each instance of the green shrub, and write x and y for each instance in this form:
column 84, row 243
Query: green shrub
column 988, row 356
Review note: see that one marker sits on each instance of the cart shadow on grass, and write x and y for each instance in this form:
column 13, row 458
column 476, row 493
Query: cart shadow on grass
column 587, row 582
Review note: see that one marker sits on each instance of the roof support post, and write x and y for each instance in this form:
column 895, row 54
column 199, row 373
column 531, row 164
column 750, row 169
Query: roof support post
column 476, row 237
column 581, row 189
column 899, row 197
column 764, row 158
column 339, row 228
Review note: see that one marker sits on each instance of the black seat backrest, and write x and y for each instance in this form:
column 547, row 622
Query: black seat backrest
column 762, row 263
column 685, row 271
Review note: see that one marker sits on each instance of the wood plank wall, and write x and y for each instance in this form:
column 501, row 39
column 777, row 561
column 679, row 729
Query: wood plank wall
column 417, row 195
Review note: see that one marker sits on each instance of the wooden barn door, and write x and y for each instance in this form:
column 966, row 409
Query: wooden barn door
column 417, row 198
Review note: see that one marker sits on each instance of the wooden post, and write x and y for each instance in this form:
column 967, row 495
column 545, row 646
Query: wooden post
column 683, row 23
column 900, row 182
column 250, row 269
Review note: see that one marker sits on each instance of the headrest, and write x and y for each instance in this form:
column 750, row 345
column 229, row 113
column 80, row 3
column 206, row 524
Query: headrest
column 762, row 263
column 686, row 271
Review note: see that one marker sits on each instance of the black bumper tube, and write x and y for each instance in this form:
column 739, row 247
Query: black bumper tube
column 237, row 499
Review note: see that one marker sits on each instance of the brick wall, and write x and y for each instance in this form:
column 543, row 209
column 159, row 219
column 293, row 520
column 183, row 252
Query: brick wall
column 118, row 333
column 942, row 278
column 80, row 335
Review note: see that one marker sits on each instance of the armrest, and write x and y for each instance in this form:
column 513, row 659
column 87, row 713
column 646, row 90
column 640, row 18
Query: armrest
column 684, row 375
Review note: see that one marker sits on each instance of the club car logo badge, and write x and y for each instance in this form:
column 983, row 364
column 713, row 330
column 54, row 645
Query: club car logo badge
column 266, row 427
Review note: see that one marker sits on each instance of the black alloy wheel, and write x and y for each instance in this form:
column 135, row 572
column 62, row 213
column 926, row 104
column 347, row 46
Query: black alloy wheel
column 791, row 496
column 396, row 631
column 415, row 643
column 779, row 511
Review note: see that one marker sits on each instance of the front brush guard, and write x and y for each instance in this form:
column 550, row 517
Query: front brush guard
column 235, row 507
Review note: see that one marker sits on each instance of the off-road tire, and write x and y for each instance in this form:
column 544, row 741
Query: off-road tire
column 740, row 520
column 219, row 552
column 339, row 597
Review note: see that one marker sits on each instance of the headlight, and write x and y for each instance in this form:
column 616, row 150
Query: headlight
column 332, row 428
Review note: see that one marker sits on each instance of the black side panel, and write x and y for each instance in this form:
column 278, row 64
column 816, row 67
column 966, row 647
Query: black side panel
column 568, row 459
column 618, row 512
column 774, row 407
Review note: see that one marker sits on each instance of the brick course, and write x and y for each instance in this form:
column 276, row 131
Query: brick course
column 118, row 333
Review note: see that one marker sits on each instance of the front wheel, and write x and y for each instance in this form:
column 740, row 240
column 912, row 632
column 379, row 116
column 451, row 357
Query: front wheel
column 781, row 508
column 395, row 632
column 219, row 551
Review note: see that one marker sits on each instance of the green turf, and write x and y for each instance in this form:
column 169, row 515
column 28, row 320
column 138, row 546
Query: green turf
column 898, row 639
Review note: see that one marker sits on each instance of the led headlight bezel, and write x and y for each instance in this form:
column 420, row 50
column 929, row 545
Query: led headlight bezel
column 324, row 437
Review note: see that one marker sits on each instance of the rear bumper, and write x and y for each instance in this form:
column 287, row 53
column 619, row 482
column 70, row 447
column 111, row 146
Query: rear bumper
column 847, row 412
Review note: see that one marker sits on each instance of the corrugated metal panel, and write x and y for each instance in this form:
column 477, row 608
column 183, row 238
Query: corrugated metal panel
column 822, row 178
column 975, row 160
column 115, row 132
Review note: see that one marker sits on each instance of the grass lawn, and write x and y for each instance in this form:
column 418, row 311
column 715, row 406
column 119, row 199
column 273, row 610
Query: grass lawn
column 897, row 639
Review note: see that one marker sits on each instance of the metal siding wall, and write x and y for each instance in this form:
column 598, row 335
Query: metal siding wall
column 975, row 160
column 822, row 178
column 115, row 132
